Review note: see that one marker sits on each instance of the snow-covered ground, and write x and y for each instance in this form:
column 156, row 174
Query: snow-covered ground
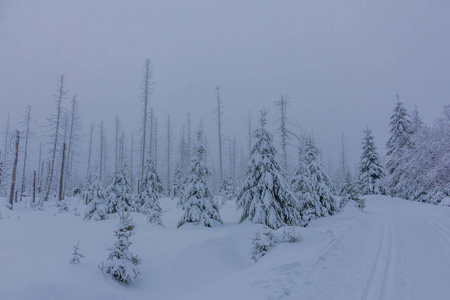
column 396, row 249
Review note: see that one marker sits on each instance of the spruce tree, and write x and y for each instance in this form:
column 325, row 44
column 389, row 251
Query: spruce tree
column 121, row 263
column 350, row 191
column 226, row 191
column 303, row 188
column 397, row 145
column 150, row 190
column 265, row 197
column 323, row 192
column 118, row 193
column 370, row 167
column 196, row 200
column 95, row 198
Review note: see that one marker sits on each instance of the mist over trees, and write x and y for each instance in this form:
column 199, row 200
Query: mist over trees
column 113, row 167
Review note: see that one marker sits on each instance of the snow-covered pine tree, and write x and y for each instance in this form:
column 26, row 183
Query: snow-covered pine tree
column 121, row 264
column 265, row 197
column 370, row 167
column 150, row 190
column 76, row 259
column 303, row 187
column 323, row 193
column 177, row 181
column 95, row 198
column 227, row 190
column 350, row 191
column 197, row 201
column 118, row 193
column 397, row 145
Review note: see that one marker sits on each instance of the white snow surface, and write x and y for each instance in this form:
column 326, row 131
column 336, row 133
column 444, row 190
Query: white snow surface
column 395, row 249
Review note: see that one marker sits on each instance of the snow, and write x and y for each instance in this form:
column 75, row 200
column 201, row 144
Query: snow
column 394, row 249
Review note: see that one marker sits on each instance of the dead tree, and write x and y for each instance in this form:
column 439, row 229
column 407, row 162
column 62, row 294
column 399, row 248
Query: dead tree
column 90, row 152
column 55, row 122
column 249, row 135
column 219, row 115
column 74, row 133
column 13, row 176
column 146, row 91
column 169, row 142
column 284, row 133
column 61, row 176
column 27, row 134
column 34, row 188
column 101, row 150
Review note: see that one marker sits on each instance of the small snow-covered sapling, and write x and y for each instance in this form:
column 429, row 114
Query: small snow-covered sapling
column 76, row 259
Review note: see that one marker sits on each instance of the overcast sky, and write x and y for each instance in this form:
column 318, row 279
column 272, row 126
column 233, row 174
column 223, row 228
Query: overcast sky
column 340, row 62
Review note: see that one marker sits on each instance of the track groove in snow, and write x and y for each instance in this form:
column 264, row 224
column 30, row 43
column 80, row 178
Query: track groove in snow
column 396, row 249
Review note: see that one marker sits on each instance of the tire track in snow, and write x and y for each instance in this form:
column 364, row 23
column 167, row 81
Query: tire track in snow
column 381, row 272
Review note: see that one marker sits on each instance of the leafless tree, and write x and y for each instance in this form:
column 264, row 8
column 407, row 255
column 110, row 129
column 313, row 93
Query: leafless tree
column 26, row 123
column 14, row 170
column 146, row 91
column 55, row 124
column 219, row 115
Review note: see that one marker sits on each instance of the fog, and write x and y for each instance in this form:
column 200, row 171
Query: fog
column 341, row 63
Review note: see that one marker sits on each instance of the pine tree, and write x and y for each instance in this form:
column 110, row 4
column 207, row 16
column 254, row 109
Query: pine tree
column 323, row 192
column 197, row 201
column 303, row 188
column 76, row 259
column 95, row 200
column 350, row 191
column 370, row 168
column 121, row 263
column 150, row 190
column 265, row 197
column 397, row 145
column 227, row 190
column 118, row 193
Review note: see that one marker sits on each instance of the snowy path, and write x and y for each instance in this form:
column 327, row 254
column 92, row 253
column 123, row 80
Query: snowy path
column 396, row 249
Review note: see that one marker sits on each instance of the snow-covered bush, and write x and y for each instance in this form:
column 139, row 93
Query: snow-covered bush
column 267, row 238
column 121, row 264
column 76, row 259
column 196, row 200
column 226, row 191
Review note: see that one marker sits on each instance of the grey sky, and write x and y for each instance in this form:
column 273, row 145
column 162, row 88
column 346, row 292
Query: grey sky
column 340, row 62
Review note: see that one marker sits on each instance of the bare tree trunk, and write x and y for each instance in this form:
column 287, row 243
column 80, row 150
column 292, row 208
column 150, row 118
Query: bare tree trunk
column 150, row 146
column 234, row 159
column 219, row 125
column 189, row 136
column 249, row 136
column 13, row 176
column 168, row 156
column 34, row 188
column 5, row 153
column 146, row 86
column 131, row 161
column 68, row 176
column 39, row 165
column 155, row 159
column 59, row 98
column 116, row 153
column 282, row 103
column 90, row 151
column 61, row 178
column 27, row 133
column 101, row 150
